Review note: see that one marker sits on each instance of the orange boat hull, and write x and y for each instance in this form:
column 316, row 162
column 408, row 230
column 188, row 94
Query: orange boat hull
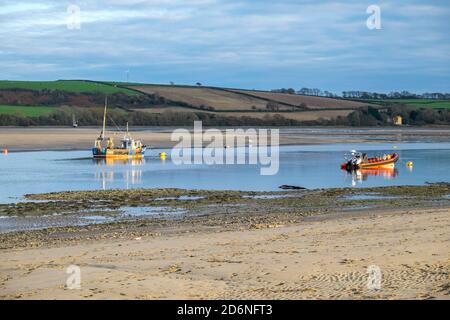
column 389, row 163
column 374, row 163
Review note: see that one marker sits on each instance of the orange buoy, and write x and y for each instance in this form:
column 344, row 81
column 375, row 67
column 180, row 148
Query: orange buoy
column 5, row 151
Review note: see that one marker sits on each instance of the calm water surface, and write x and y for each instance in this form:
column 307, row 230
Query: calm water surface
column 313, row 166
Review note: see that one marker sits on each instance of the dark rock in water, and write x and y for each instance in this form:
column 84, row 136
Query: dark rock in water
column 289, row 187
column 441, row 183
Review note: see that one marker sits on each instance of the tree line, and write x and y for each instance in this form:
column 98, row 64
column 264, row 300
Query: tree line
column 394, row 95
column 94, row 117
column 369, row 116
column 366, row 116
column 307, row 92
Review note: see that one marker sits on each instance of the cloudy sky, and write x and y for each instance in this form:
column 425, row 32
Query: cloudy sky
column 233, row 43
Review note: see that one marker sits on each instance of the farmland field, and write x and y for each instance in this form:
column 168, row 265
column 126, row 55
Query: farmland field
column 224, row 102
column 220, row 100
column 311, row 101
column 65, row 85
column 243, row 100
column 421, row 103
column 28, row 111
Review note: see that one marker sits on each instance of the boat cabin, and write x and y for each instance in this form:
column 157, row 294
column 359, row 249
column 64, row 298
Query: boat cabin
column 129, row 143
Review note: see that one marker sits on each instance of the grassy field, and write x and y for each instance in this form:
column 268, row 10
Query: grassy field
column 421, row 103
column 65, row 85
column 436, row 104
column 28, row 111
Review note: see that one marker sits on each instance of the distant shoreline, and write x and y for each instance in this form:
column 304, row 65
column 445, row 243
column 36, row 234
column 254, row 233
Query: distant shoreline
column 20, row 139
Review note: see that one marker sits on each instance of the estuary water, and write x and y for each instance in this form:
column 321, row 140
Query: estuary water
column 309, row 166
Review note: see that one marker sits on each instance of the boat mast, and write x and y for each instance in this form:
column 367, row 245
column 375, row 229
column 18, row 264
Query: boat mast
column 102, row 135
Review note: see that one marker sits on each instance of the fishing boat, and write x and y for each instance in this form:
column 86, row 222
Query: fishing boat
column 360, row 160
column 128, row 148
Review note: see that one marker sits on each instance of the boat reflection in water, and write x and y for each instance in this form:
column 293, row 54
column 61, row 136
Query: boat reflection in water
column 130, row 175
column 361, row 175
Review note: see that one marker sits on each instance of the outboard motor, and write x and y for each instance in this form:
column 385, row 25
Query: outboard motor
column 355, row 160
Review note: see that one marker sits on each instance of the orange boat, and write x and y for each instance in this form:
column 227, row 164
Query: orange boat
column 360, row 160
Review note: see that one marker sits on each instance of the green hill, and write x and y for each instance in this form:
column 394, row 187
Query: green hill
column 27, row 111
column 66, row 85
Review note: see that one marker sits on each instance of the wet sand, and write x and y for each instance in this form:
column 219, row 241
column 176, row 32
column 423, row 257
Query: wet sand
column 59, row 138
column 313, row 244
column 325, row 259
column 27, row 139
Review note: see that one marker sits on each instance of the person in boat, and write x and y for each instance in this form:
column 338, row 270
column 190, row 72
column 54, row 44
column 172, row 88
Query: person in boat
column 358, row 158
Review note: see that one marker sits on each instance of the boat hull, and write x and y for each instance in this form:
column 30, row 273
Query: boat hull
column 118, row 153
column 372, row 164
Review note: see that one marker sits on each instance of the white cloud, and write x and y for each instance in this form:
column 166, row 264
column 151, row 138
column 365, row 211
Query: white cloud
column 218, row 34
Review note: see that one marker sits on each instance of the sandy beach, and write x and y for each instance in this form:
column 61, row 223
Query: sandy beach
column 323, row 259
column 58, row 138
column 311, row 250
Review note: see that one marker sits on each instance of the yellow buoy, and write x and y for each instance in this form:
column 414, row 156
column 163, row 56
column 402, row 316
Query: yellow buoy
column 163, row 155
column 409, row 164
